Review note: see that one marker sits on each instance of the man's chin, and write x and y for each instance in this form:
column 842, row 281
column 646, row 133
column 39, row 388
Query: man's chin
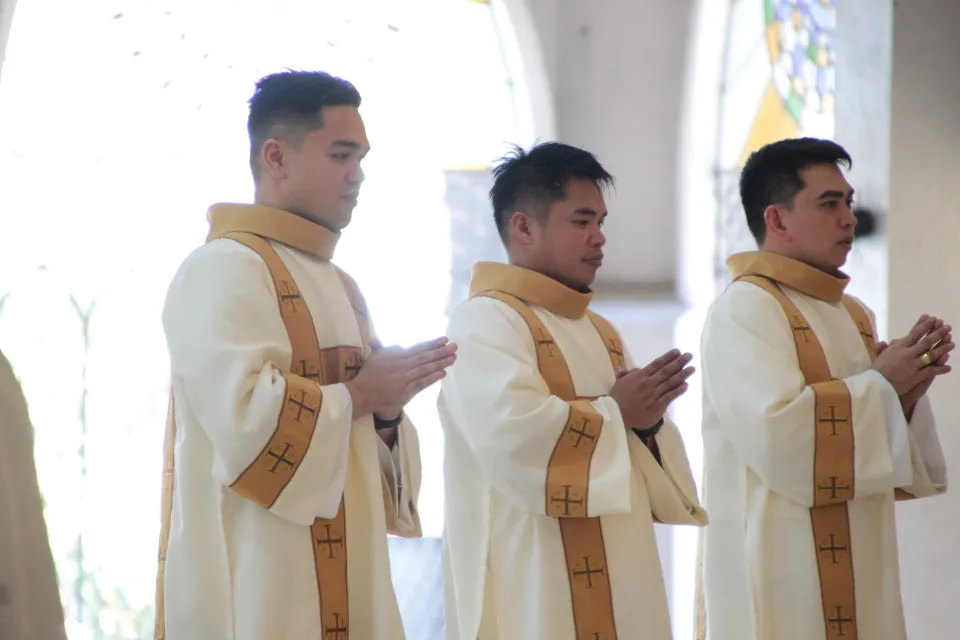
column 584, row 280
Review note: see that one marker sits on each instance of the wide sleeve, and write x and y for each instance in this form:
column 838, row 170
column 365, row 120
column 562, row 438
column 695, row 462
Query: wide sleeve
column 279, row 439
column 545, row 455
column 926, row 454
column 400, row 467
column 752, row 380
column 400, row 476
column 669, row 484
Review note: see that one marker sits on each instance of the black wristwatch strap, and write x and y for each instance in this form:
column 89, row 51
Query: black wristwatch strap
column 646, row 434
column 379, row 424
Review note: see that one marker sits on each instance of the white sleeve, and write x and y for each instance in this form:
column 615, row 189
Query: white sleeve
column 280, row 440
column 928, row 463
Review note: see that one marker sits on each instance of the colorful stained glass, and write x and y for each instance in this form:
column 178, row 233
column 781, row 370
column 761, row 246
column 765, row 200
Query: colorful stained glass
column 800, row 45
column 780, row 83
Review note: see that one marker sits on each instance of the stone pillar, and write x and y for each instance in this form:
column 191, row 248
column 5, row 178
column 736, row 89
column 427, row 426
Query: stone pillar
column 924, row 276
column 6, row 20
column 863, row 44
column 473, row 234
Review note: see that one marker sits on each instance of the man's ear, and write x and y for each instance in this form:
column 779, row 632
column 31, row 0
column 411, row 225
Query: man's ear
column 272, row 160
column 774, row 220
column 521, row 227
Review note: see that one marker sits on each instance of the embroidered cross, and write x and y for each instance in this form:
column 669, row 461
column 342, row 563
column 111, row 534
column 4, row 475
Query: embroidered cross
column 833, row 420
column 302, row 405
column 833, row 488
column 832, row 549
column 588, row 572
column 566, row 500
column 616, row 348
column 306, row 373
column 839, row 621
column 289, row 294
column 337, row 629
column 547, row 342
column 281, row 458
column 329, row 541
column 801, row 328
column 581, row 433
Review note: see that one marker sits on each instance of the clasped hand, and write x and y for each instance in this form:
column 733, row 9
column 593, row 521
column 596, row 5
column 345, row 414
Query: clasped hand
column 643, row 395
column 392, row 376
column 910, row 364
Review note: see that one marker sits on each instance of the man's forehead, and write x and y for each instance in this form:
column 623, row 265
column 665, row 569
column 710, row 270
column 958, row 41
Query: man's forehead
column 821, row 177
column 343, row 127
column 582, row 189
column 584, row 198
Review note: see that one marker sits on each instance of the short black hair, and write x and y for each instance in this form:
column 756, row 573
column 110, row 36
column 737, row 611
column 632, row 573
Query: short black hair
column 535, row 179
column 292, row 101
column 771, row 175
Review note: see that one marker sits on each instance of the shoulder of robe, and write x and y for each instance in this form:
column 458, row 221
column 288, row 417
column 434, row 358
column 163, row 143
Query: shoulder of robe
column 483, row 315
column 744, row 303
column 864, row 305
column 591, row 312
column 350, row 281
column 222, row 264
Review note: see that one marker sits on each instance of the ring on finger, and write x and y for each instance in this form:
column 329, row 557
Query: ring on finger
column 926, row 358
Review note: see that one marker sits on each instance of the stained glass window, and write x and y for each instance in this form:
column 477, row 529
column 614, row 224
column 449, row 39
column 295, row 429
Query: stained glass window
column 779, row 82
column 111, row 155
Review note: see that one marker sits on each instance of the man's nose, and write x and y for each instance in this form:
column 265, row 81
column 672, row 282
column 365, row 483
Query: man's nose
column 355, row 176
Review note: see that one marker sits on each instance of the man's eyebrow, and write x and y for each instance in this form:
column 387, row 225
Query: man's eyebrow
column 832, row 193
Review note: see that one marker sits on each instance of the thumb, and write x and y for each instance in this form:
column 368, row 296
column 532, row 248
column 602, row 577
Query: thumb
column 881, row 346
column 621, row 371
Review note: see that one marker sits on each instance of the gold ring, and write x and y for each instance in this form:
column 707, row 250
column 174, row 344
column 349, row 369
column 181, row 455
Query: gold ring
column 926, row 358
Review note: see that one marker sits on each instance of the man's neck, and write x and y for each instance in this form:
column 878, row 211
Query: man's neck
column 789, row 254
column 520, row 262
column 267, row 201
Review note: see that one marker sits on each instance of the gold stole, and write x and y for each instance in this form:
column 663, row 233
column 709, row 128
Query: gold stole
column 833, row 462
column 568, row 476
column 271, row 471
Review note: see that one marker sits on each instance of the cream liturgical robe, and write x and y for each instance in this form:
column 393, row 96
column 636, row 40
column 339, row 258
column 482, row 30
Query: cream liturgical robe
column 806, row 448
column 550, row 499
column 277, row 504
column 29, row 600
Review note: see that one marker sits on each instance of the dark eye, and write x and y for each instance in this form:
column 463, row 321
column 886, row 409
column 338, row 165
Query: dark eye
column 830, row 204
column 341, row 157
